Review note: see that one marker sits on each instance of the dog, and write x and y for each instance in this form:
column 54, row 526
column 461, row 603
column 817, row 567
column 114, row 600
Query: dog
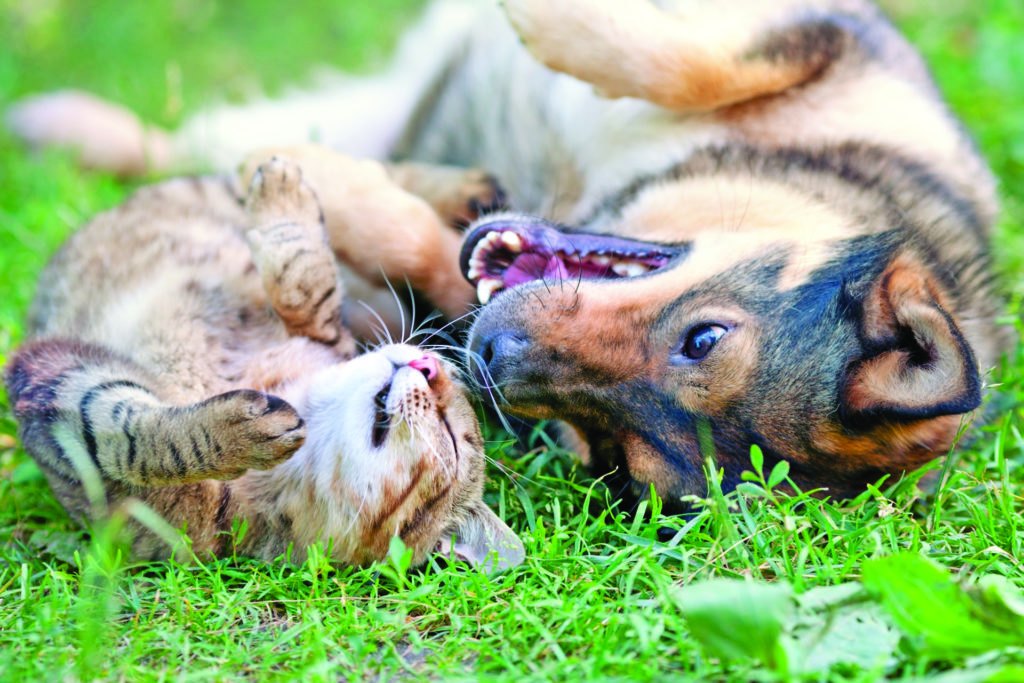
column 735, row 224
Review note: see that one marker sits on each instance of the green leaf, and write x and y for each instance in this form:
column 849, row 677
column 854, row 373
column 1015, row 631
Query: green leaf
column 757, row 459
column 859, row 637
column 779, row 474
column 931, row 608
column 56, row 543
column 828, row 597
column 750, row 489
column 399, row 555
column 739, row 619
column 998, row 603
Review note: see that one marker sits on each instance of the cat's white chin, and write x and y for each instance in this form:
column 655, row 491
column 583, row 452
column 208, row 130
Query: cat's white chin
column 378, row 439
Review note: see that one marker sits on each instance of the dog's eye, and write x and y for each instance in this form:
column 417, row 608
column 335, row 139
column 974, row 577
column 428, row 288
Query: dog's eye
column 701, row 340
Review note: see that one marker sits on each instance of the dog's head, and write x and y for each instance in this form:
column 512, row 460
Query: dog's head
column 827, row 345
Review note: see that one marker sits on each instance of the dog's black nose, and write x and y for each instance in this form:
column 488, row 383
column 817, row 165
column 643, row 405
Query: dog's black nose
column 497, row 354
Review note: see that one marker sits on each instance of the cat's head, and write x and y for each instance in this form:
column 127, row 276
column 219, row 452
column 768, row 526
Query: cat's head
column 396, row 450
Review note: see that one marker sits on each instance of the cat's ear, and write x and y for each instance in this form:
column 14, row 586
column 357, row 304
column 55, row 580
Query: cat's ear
column 483, row 540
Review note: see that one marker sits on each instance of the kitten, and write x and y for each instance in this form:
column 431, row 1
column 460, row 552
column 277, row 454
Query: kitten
column 186, row 349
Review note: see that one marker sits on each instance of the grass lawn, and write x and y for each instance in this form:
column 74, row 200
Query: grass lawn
column 840, row 592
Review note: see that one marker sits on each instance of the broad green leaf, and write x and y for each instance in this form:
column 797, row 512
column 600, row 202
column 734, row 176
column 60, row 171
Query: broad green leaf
column 757, row 459
column 856, row 636
column 824, row 597
column 739, row 619
column 926, row 603
column 999, row 604
column 400, row 556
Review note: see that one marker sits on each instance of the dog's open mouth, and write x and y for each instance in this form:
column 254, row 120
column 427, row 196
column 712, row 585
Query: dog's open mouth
column 502, row 254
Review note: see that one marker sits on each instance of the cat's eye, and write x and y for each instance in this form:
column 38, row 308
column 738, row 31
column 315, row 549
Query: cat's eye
column 700, row 340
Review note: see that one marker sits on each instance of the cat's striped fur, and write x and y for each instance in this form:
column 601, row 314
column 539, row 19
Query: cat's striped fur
column 187, row 350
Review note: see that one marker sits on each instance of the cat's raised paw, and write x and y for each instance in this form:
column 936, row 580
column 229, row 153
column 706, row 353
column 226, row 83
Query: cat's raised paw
column 278, row 194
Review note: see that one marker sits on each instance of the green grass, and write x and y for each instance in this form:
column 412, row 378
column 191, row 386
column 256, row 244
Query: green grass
column 599, row 595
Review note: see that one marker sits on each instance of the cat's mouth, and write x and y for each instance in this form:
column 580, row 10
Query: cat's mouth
column 407, row 397
column 506, row 252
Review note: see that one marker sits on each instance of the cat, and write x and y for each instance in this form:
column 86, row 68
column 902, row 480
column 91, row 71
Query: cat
column 187, row 350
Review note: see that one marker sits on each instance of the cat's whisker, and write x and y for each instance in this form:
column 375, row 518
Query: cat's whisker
column 400, row 305
column 381, row 333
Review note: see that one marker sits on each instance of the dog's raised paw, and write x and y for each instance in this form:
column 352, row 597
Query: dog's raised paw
column 481, row 194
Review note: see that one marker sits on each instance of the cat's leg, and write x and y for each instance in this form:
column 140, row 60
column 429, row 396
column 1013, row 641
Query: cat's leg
column 696, row 56
column 291, row 251
column 84, row 408
column 384, row 233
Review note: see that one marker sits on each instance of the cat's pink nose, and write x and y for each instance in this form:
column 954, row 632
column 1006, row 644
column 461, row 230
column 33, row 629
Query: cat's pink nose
column 427, row 365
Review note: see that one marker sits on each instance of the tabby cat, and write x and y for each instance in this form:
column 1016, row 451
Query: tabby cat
column 187, row 350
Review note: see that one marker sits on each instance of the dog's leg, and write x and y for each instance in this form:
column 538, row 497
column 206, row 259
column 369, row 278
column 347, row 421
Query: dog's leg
column 384, row 233
column 458, row 195
column 698, row 58
column 105, row 136
column 360, row 115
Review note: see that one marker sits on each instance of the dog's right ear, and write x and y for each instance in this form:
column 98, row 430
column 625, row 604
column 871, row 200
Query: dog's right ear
column 918, row 365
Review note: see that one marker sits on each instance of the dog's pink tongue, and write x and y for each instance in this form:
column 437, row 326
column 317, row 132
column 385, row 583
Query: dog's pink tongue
column 555, row 269
column 529, row 267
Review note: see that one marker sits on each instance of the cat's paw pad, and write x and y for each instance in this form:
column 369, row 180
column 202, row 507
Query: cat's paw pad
column 278, row 194
column 256, row 431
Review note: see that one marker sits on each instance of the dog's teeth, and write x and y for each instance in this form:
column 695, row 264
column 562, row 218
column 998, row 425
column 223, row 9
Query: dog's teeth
column 474, row 272
column 479, row 251
column 512, row 240
column 493, row 237
column 629, row 268
column 600, row 260
column 486, row 289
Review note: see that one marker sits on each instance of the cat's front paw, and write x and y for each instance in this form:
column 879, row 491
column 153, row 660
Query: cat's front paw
column 251, row 430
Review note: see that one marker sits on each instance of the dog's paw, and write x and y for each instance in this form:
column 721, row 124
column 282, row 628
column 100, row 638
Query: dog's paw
column 526, row 16
column 552, row 30
column 253, row 430
column 278, row 195
column 105, row 136
column 479, row 194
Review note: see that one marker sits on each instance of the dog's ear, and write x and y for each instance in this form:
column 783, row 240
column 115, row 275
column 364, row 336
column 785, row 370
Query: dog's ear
column 917, row 365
